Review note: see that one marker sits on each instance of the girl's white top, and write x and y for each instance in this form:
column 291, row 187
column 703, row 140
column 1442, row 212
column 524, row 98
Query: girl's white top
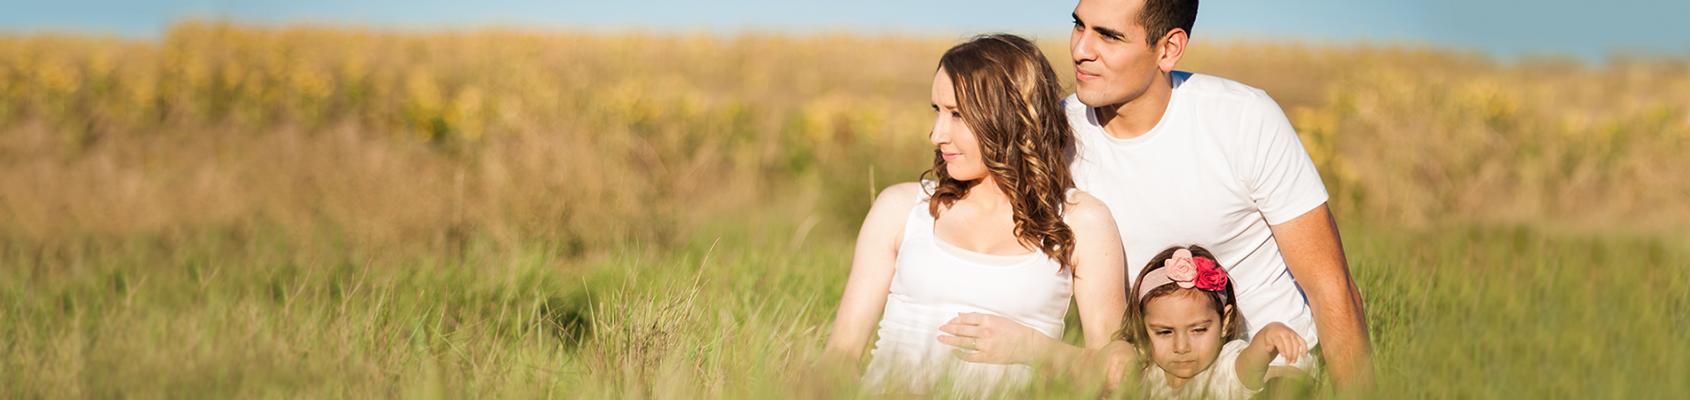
column 932, row 283
column 1219, row 382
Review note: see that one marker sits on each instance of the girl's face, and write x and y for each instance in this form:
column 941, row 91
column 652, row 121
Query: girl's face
column 955, row 142
column 1185, row 332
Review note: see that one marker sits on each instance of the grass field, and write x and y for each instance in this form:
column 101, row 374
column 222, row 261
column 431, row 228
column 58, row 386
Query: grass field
column 333, row 212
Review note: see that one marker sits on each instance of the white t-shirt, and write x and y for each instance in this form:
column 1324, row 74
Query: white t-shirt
column 1219, row 382
column 1221, row 166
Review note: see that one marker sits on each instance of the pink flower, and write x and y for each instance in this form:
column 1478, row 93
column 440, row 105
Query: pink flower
column 1181, row 270
column 1210, row 276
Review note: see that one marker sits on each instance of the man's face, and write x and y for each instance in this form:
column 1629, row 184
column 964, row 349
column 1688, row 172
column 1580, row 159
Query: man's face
column 1185, row 332
column 1113, row 63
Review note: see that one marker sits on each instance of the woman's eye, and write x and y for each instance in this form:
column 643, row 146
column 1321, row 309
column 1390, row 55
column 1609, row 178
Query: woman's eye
column 955, row 114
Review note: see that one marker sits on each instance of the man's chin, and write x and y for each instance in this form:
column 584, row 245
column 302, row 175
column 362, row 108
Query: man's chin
column 1095, row 100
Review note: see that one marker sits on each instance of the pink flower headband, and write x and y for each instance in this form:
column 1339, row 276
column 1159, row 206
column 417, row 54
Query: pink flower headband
column 1187, row 272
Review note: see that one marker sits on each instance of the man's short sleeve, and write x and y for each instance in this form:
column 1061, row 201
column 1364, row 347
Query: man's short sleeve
column 1281, row 176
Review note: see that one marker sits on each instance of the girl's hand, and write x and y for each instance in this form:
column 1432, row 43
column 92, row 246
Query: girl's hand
column 1276, row 338
column 986, row 338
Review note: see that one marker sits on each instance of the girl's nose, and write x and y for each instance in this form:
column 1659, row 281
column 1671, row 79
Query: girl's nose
column 1182, row 344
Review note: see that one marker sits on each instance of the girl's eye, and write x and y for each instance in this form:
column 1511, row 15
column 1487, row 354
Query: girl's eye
column 1163, row 333
column 1201, row 330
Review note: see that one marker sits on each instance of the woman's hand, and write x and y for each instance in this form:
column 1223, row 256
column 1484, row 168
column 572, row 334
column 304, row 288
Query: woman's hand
column 992, row 339
column 1278, row 339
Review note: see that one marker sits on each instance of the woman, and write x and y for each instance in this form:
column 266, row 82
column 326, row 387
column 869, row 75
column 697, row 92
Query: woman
column 998, row 231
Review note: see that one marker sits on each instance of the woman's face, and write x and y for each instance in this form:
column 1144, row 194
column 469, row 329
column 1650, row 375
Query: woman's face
column 1185, row 333
column 954, row 141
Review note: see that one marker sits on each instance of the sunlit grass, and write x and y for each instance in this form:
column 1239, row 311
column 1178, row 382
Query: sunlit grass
column 335, row 212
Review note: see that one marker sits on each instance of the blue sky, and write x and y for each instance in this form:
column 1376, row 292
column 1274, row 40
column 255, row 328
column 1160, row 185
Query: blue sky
column 1506, row 29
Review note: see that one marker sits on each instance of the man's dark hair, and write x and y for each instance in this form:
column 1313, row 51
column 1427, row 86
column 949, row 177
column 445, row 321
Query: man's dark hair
column 1160, row 16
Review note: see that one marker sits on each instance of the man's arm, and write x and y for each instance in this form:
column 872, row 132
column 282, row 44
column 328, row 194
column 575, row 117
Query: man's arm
column 1315, row 255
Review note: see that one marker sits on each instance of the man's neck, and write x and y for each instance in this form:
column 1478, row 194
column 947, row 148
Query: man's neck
column 1138, row 116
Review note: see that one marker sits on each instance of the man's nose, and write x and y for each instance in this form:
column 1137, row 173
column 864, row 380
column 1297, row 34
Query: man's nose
column 1082, row 48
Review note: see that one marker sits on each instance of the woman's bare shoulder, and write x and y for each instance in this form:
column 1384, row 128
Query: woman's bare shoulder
column 1086, row 213
column 906, row 193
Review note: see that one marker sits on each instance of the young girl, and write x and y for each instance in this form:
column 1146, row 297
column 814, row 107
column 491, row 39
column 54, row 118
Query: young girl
column 1183, row 315
column 998, row 231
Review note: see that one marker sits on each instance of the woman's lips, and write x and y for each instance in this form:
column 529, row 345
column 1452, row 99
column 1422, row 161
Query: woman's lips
column 950, row 156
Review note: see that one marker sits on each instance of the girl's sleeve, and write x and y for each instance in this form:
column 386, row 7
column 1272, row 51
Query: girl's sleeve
column 1223, row 381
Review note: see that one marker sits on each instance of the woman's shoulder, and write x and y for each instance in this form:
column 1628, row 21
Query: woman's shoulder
column 904, row 193
column 890, row 212
column 896, row 200
column 1085, row 212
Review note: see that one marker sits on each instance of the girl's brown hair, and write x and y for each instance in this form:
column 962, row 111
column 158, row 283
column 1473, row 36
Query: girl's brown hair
column 1132, row 326
column 1010, row 98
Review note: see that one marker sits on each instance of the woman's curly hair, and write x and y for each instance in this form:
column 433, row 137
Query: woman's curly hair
column 1010, row 98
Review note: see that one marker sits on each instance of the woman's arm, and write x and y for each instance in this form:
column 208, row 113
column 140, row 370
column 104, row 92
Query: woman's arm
column 871, row 271
column 1100, row 276
column 1272, row 340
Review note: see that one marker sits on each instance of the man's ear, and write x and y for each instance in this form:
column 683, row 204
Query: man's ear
column 1172, row 49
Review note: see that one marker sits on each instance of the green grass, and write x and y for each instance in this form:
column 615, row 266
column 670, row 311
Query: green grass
column 332, row 212
column 740, row 309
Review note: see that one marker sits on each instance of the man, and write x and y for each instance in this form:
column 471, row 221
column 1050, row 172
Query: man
column 1184, row 158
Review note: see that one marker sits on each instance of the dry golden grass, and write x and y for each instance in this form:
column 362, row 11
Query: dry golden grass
column 326, row 211
column 401, row 137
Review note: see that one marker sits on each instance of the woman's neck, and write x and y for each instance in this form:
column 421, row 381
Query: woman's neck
column 986, row 194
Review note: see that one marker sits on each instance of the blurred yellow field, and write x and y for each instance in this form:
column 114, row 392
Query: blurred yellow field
column 236, row 211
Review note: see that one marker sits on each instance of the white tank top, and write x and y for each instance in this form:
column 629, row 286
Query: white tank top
column 932, row 282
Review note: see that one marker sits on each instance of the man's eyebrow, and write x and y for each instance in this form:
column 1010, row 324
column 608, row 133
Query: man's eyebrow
column 1099, row 29
column 1109, row 32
